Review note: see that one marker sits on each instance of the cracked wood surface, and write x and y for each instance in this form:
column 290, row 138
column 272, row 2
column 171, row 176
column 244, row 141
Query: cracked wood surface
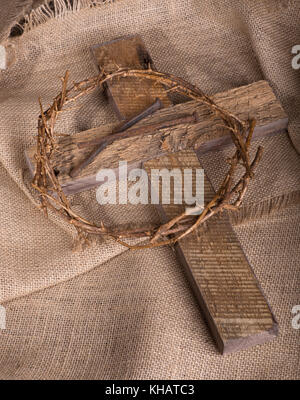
column 256, row 100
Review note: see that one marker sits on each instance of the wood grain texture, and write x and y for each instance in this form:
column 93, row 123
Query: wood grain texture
column 256, row 100
column 222, row 279
column 129, row 96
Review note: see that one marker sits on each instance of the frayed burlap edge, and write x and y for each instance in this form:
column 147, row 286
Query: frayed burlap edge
column 57, row 9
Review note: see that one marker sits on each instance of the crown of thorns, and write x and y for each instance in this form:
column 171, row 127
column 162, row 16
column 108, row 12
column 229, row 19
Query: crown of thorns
column 229, row 196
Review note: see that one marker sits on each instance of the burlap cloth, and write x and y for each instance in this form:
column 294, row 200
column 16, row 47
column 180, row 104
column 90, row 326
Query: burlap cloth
column 109, row 312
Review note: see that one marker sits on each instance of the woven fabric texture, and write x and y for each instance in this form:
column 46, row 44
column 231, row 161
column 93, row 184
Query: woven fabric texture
column 108, row 312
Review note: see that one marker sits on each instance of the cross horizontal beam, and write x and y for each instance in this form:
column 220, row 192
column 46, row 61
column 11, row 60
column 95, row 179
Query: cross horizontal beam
column 256, row 100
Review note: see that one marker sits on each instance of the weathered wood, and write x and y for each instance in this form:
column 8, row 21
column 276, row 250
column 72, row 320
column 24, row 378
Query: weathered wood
column 129, row 96
column 216, row 266
column 118, row 134
column 218, row 270
column 256, row 100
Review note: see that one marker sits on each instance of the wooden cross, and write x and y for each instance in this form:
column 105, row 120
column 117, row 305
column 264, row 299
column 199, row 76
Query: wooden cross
column 216, row 266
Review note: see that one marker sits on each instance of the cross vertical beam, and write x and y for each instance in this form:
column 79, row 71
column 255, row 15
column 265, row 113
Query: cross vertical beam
column 223, row 281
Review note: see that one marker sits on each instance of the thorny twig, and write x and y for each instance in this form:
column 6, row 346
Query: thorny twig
column 227, row 197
